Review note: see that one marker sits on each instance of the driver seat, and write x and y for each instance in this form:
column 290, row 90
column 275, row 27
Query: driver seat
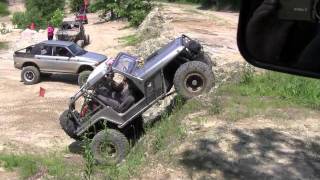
column 120, row 102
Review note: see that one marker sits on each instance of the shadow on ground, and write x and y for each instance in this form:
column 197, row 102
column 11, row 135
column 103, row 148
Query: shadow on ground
column 64, row 78
column 255, row 154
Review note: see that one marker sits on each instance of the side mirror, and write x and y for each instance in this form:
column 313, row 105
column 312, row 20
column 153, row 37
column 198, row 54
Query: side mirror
column 281, row 35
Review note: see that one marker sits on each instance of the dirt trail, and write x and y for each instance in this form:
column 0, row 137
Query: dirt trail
column 215, row 30
column 29, row 123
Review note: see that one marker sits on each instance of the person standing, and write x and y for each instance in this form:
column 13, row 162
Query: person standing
column 50, row 32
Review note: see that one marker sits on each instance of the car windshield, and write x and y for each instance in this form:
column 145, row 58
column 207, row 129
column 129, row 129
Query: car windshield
column 76, row 50
column 125, row 63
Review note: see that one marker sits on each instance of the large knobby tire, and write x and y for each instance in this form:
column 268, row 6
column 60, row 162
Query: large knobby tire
column 193, row 79
column 83, row 76
column 30, row 75
column 68, row 125
column 109, row 147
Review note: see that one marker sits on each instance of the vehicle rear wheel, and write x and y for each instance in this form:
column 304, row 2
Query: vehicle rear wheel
column 83, row 76
column 80, row 43
column 109, row 147
column 30, row 75
column 68, row 125
column 193, row 78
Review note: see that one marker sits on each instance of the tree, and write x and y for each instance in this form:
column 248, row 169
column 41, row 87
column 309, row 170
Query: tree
column 134, row 10
column 39, row 12
column 45, row 7
column 75, row 5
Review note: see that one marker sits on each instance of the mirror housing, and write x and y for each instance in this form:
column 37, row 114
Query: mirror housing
column 281, row 35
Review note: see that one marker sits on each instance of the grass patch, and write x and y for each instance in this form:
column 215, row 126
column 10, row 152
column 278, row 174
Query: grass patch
column 4, row 9
column 29, row 165
column 264, row 95
column 291, row 89
column 130, row 40
column 4, row 45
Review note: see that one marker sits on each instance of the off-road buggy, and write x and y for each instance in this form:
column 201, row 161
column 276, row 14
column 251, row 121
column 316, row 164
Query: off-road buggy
column 81, row 16
column 181, row 63
column 73, row 31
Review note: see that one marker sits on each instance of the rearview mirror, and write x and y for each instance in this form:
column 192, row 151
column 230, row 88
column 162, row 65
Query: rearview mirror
column 281, row 35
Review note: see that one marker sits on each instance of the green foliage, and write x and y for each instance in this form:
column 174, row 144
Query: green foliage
column 130, row 40
column 57, row 18
column 24, row 19
column 4, row 8
column 134, row 10
column 45, row 7
column 40, row 12
column 292, row 89
column 89, row 159
column 75, row 5
column 29, row 165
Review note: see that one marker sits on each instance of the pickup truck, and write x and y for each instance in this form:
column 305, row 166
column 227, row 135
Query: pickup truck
column 55, row 57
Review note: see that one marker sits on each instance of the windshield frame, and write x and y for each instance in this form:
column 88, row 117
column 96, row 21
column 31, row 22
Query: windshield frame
column 76, row 50
column 131, row 69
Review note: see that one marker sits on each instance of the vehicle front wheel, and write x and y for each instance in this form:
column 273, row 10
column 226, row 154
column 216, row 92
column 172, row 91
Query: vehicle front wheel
column 83, row 76
column 109, row 147
column 30, row 75
column 68, row 125
column 193, row 79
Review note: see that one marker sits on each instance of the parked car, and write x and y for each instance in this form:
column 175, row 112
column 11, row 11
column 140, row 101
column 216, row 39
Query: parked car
column 182, row 64
column 73, row 31
column 55, row 57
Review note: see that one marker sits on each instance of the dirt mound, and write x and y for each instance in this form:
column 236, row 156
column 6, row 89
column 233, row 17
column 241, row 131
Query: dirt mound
column 153, row 25
column 154, row 32
column 29, row 37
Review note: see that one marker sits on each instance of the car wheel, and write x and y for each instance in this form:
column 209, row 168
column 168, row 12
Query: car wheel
column 83, row 76
column 109, row 147
column 30, row 75
column 68, row 125
column 193, row 79
column 80, row 43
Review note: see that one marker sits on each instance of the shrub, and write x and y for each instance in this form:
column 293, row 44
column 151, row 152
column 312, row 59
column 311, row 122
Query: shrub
column 45, row 7
column 134, row 10
column 3, row 8
column 75, row 5
column 24, row 19
column 40, row 12
column 57, row 18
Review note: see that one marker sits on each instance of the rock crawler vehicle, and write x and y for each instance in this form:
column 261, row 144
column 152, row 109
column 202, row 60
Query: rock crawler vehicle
column 73, row 31
column 181, row 63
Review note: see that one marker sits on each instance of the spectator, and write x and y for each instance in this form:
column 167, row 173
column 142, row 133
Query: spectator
column 50, row 32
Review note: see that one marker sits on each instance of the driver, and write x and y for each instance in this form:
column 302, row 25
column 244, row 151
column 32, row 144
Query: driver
column 115, row 94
